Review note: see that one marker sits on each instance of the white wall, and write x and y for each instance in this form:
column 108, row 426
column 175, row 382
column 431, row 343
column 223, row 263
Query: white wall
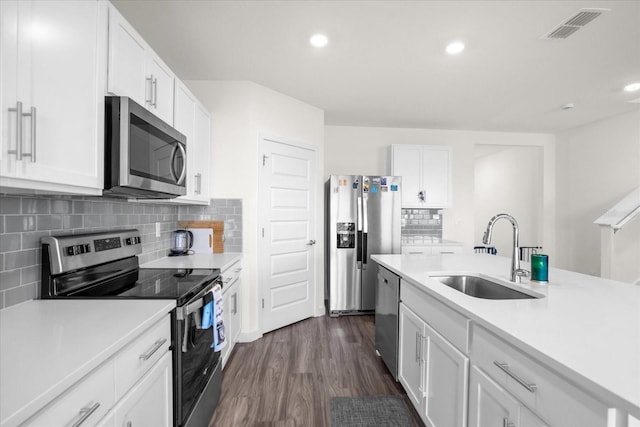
column 363, row 150
column 598, row 165
column 509, row 179
column 240, row 111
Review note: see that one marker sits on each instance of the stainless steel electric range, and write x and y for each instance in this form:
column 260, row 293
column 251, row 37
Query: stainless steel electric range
column 105, row 265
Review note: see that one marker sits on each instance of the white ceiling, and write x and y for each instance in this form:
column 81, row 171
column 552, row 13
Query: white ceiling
column 385, row 64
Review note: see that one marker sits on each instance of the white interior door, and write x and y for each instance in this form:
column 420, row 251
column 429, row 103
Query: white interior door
column 287, row 233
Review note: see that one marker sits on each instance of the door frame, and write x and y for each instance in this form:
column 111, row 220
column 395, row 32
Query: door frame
column 262, row 203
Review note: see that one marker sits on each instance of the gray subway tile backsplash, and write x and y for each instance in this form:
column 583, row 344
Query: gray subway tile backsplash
column 421, row 223
column 24, row 220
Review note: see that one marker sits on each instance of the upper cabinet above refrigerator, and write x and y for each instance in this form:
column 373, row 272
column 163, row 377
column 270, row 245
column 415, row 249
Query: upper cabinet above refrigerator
column 426, row 174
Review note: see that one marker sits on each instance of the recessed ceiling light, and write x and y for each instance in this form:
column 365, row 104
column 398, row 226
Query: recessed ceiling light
column 319, row 40
column 455, row 48
column 632, row 87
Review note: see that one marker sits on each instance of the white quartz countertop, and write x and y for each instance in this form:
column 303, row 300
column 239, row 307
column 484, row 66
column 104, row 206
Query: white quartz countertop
column 585, row 327
column 221, row 261
column 48, row 345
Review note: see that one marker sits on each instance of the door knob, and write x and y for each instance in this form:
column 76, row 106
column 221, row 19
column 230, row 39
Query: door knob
column 311, row 242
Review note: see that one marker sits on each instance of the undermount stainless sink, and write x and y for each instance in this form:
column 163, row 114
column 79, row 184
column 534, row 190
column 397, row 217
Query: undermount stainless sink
column 480, row 287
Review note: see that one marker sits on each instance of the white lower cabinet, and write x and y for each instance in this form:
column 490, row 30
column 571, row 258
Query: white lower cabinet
column 83, row 404
column 491, row 405
column 539, row 390
column 231, row 303
column 150, row 401
column 132, row 388
column 433, row 372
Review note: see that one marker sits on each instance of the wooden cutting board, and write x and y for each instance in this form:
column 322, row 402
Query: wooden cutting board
column 216, row 226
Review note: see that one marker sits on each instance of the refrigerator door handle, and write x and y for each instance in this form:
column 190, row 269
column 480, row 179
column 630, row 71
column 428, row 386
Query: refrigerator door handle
column 359, row 235
column 365, row 232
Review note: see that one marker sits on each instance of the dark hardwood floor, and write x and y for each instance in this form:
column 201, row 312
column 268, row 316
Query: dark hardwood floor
column 287, row 377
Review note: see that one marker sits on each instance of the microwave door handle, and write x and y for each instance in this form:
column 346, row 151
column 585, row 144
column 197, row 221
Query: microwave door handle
column 183, row 174
column 173, row 158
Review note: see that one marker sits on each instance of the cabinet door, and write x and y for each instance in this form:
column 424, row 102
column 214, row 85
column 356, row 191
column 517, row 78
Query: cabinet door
column 203, row 140
column 184, row 118
column 161, row 80
column 127, row 61
column 407, row 163
column 226, row 318
column 436, row 176
column 490, row 404
column 59, row 75
column 8, row 86
column 447, row 378
column 149, row 402
column 410, row 372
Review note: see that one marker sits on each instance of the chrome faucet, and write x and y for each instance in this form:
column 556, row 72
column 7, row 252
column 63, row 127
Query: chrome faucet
column 516, row 271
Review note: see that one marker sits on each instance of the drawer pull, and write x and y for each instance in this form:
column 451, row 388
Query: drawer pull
column 86, row 413
column 506, row 423
column 505, row 367
column 156, row 347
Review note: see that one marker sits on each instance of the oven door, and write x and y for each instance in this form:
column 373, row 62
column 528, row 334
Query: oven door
column 198, row 370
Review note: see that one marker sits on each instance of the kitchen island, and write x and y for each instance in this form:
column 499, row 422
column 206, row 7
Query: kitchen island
column 584, row 329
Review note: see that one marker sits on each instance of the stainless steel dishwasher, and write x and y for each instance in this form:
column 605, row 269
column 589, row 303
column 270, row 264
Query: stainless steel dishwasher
column 386, row 320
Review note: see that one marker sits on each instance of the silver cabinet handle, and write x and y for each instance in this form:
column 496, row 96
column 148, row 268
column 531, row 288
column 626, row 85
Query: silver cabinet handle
column 149, row 85
column 505, row 368
column 32, row 154
column 311, row 242
column 18, row 111
column 237, row 270
column 417, row 348
column 85, row 413
column 506, row 423
column 235, row 303
column 154, row 86
column 198, row 178
column 156, row 346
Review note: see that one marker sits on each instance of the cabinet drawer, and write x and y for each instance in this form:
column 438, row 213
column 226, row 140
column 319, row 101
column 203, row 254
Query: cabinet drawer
column 539, row 388
column 83, row 404
column 139, row 356
column 448, row 322
column 231, row 275
column 416, row 250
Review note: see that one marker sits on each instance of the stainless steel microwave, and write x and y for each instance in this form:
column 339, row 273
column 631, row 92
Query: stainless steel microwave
column 144, row 156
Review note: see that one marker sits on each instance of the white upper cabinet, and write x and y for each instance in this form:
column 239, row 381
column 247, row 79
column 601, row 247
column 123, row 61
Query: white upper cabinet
column 426, row 174
column 53, row 72
column 191, row 119
column 136, row 71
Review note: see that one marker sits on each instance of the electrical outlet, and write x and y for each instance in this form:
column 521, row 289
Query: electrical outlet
column 157, row 229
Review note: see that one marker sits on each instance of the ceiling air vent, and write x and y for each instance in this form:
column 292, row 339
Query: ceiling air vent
column 574, row 23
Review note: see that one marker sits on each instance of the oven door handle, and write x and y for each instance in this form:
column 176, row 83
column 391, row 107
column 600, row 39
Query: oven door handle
column 198, row 302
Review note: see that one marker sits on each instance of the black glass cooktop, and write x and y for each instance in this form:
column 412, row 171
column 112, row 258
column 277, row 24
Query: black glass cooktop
column 169, row 283
column 152, row 283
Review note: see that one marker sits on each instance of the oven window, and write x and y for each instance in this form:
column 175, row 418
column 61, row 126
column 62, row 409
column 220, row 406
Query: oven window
column 198, row 361
column 152, row 153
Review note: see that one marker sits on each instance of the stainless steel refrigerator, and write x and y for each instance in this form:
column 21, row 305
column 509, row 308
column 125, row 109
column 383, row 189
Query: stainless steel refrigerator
column 363, row 218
